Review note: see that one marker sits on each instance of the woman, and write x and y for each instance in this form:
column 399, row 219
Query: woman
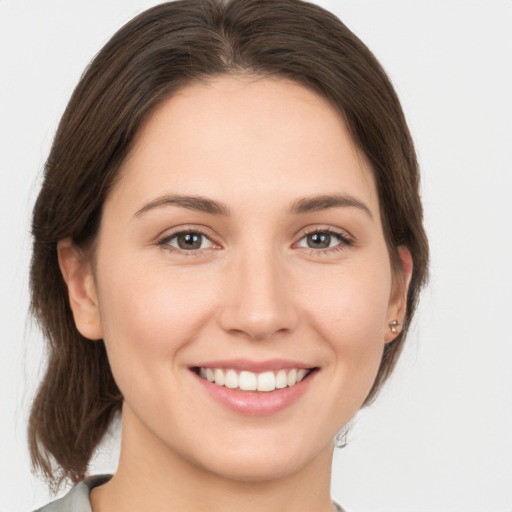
column 228, row 248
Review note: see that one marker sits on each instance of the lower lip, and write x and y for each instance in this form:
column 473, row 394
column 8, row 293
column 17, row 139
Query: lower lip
column 256, row 403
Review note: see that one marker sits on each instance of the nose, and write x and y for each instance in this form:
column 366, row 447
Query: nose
column 258, row 297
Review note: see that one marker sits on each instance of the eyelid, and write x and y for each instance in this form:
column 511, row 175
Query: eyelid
column 346, row 239
column 163, row 239
column 324, row 228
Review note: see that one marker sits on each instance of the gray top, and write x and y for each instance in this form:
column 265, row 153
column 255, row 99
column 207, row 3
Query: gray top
column 77, row 500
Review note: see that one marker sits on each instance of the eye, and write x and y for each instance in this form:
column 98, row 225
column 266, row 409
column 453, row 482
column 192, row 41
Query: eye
column 187, row 241
column 323, row 240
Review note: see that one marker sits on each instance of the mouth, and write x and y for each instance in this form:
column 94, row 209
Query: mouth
column 255, row 388
column 245, row 380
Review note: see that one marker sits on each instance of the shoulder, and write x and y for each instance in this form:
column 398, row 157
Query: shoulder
column 339, row 508
column 76, row 500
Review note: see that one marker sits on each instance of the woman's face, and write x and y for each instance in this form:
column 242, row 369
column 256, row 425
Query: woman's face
column 242, row 243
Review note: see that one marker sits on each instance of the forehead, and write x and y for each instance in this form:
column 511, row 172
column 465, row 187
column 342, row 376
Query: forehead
column 250, row 137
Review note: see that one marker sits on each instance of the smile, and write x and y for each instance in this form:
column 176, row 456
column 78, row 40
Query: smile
column 250, row 381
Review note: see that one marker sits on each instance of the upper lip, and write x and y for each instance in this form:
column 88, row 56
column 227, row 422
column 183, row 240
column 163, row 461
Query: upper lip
column 255, row 366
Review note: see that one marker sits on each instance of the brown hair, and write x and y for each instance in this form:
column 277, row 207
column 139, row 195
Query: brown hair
column 158, row 52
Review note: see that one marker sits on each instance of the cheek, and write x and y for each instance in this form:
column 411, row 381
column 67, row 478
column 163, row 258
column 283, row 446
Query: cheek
column 349, row 315
column 350, row 304
column 149, row 316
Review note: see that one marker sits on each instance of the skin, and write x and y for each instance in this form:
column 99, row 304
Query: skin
column 254, row 290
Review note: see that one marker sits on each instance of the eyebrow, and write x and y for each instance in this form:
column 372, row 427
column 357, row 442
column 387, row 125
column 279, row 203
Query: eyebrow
column 198, row 203
column 325, row 202
column 300, row 206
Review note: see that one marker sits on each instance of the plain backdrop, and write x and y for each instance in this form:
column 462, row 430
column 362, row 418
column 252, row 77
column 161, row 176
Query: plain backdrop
column 440, row 436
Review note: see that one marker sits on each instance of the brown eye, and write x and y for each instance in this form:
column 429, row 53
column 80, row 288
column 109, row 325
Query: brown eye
column 188, row 241
column 318, row 240
column 323, row 240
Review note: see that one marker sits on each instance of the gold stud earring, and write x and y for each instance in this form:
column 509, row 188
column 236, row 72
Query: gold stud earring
column 393, row 326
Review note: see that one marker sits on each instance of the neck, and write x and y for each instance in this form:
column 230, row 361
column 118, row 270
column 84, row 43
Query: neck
column 151, row 477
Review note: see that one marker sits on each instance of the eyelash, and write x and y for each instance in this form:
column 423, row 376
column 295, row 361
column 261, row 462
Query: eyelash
column 344, row 241
column 164, row 242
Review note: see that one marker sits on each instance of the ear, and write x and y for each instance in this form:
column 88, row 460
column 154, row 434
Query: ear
column 398, row 300
column 77, row 273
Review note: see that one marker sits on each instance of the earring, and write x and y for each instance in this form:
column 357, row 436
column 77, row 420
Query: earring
column 393, row 326
column 340, row 441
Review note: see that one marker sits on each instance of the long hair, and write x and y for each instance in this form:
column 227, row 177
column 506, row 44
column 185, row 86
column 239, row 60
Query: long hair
column 160, row 51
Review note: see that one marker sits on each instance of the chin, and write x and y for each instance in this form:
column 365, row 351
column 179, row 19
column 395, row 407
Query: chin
column 261, row 469
column 261, row 459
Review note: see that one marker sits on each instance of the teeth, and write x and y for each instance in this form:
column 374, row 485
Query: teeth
column 266, row 381
column 291, row 378
column 247, row 381
column 301, row 374
column 281, row 380
column 231, row 379
column 250, row 381
column 219, row 377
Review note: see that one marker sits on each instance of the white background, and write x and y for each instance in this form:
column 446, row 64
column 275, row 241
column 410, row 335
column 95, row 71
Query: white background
column 440, row 436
